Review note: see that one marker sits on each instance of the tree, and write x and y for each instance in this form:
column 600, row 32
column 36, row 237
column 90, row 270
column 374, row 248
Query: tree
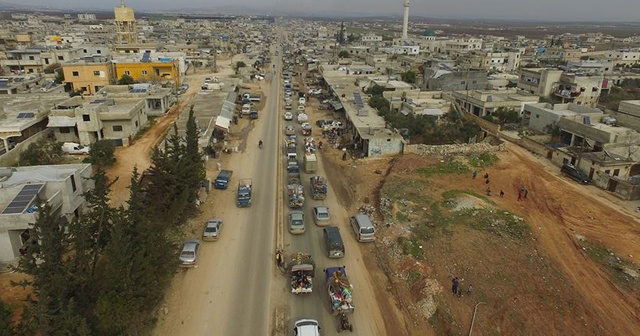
column 6, row 326
column 409, row 77
column 42, row 152
column 101, row 153
column 375, row 90
column 240, row 64
column 344, row 54
column 506, row 116
column 126, row 80
column 195, row 171
column 59, row 76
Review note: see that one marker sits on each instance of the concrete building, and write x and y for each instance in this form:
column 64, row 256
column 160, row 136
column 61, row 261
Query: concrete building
column 541, row 116
column 369, row 38
column 23, row 116
column 625, row 58
column 578, row 88
column 86, row 121
column 23, row 189
column 485, row 102
column 86, row 17
column 21, row 61
column 460, row 45
column 89, row 74
column 125, row 21
column 157, row 99
column 539, row 81
column 152, row 68
column 365, row 128
column 445, row 80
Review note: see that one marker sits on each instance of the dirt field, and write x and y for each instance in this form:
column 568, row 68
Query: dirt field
column 551, row 264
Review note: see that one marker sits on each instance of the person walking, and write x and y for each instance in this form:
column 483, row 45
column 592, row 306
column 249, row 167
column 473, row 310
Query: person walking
column 501, row 193
column 488, row 191
column 279, row 259
column 475, row 174
column 469, row 290
column 454, row 285
column 486, row 175
column 487, row 181
column 525, row 194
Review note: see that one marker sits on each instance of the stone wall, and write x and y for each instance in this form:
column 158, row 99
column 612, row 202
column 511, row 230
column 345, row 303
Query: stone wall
column 428, row 150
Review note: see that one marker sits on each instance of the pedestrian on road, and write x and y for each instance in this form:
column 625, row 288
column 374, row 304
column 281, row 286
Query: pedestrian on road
column 525, row 194
column 459, row 294
column 486, row 175
column 475, row 173
column 279, row 259
column 487, row 181
column 344, row 156
column 488, row 191
column 469, row 290
column 454, row 285
column 501, row 193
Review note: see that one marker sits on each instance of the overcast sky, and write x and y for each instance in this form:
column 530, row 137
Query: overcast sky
column 545, row 10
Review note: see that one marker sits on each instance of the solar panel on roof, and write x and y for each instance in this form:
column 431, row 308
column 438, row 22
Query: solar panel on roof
column 25, row 115
column 146, row 57
column 23, row 199
column 358, row 100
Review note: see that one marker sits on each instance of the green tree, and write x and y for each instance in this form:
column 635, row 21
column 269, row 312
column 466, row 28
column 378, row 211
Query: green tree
column 195, row 171
column 42, row 152
column 6, row 325
column 240, row 64
column 506, row 116
column 126, row 80
column 409, row 77
column 375, row 90
column 101, row 153
column 344, row 54
column 59, row 76
column 378, row 102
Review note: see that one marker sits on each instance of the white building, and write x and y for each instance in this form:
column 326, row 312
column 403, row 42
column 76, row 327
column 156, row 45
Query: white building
column 23, row 189
column 371, row 38
column 86, row 17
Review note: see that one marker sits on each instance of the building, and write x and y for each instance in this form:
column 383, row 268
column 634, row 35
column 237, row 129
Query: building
column 445, row 80
column 485, row 102
column 86, row 17
column 366, row 130
column 21, row 61
column 125, row 21
column 159, row 68
column 539, row 81
column 624, row 57
column 89, row 74
column 85, row 121
column 23, row 189
column 541, row 116
column 371, row 37
column 578, row 88
column 157, row 99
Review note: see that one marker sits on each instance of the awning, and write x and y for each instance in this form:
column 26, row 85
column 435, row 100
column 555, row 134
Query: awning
column 61, row 121
column 223, row 123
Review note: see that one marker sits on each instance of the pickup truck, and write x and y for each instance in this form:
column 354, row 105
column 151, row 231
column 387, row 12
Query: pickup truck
column 74, row 148
column 295, row 190
column 340, row 290
column 302, row 270
column 222, row 180
column 243, row 196
column 318, row 187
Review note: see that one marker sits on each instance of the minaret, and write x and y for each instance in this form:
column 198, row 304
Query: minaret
column 405, row 23
column 125, row 20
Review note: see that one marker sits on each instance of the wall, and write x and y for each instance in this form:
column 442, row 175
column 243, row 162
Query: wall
column 429, row 150
column 379, row 146
column 484, row 124
column 86, row 77
column 10, row 158
column 540, row 117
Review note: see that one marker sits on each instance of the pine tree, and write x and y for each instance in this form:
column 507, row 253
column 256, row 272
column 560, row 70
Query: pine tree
column 195, row 171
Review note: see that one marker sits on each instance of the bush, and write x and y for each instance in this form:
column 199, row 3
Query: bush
column 101, row 153
column 42, row 152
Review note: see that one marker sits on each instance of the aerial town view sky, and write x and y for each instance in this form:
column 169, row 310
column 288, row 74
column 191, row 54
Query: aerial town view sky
column 543, row 10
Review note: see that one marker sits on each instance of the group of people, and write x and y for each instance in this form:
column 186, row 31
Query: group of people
column 522, row 192
column 456, row 287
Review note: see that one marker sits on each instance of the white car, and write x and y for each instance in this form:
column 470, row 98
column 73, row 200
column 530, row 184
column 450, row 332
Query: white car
column 306, row 327
column 288, row 115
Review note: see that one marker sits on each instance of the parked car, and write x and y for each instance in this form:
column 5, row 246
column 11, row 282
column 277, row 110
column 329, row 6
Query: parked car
column 289, row 130
column 183, row 88
column 212, row 229
column 306, row 327
column 575, row 173
column 207, row 80
column 189, row 253
column 288, row 115
column 321, row 215
column 73, row 148
column 296, row 222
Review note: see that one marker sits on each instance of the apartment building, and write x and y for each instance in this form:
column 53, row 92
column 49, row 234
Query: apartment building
column 89, row 74
column 86, row 121
column 23, row 189
column 21, row 61
column 485, row 102
column 626, row 57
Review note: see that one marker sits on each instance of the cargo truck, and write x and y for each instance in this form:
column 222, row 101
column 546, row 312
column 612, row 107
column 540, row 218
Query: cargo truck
column 243, row 197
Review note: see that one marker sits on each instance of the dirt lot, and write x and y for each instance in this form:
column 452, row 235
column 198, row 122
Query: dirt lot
column 551, row 263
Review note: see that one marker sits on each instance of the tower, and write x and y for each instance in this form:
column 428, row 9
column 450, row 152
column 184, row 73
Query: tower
column 405, row 22
column 125, row 20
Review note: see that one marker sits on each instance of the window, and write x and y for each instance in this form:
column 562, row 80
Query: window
column 117, row 128
column 144, row 72
column 60, row 58
column 75, row 74
column 86, row 117
column 73, row 183
column 46, row 61
column 136, row 123
column 127, row 73
column 65, row 130
column 84, row 51
column 96, row 73
column 616, row 172
column 99, row 51
column 463, row 82
column 31, row 58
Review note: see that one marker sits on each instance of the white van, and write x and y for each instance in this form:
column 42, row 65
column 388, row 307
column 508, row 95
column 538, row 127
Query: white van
column 302, row 101
column 246, row 108
column 363, row 228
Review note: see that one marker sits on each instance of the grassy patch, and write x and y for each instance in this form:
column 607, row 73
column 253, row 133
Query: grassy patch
column 410, row 246
column 441, row 168
column 414, row 276
column 502, row 223
column 483, row 160
column 614, row 265
column 442, row 323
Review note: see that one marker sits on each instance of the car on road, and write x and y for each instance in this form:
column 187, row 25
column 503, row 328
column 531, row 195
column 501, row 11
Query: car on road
column 189, row 253
column 321, row 215
column 212, row 229
column 288, row 115
column 306, row 327
column 207, row 80
column 575, row 173
column 296, row 222
column 183, row 88
column 289, row 130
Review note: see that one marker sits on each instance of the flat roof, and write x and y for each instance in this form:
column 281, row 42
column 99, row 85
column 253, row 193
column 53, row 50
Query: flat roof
column 19, row 111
